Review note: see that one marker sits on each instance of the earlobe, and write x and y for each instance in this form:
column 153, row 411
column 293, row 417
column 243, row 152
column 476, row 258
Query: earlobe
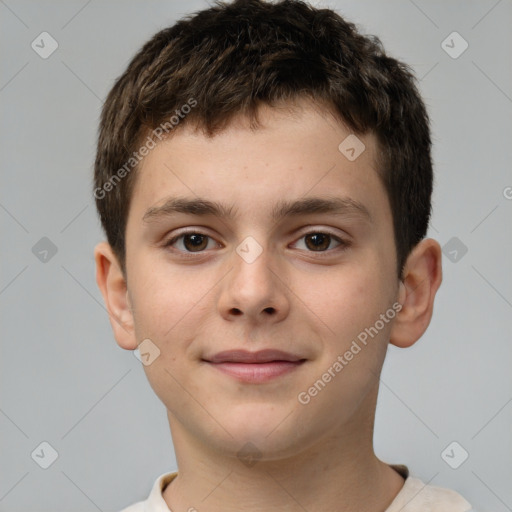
column 113, row 287
column 421, row 280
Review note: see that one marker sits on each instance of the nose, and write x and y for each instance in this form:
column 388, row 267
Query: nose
column 254, row 291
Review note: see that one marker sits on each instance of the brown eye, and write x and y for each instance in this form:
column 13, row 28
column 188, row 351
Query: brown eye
column 318, row 241
column 195, row 242
column 191, row 242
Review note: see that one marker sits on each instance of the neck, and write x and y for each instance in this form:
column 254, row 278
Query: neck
column 339, row 473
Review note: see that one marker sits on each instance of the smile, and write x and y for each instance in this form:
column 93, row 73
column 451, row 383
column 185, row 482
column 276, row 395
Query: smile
column 255, row 367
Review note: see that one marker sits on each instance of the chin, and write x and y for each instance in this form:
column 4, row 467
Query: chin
column 262, row 432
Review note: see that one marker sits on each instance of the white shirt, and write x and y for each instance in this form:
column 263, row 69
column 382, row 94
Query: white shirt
column 415, row 496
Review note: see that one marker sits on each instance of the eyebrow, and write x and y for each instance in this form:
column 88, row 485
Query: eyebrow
column 203, row 207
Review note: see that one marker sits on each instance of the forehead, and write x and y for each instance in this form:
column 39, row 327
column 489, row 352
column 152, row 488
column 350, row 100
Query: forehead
column 293, row 154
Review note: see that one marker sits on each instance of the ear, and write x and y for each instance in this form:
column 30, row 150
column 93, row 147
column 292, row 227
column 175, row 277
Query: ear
column 112, row 283
column 421, row 279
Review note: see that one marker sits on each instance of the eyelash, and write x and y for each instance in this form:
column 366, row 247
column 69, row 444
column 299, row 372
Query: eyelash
column 343, row 244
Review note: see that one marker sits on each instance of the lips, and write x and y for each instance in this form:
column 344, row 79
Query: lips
column 255, row 367
column 244, row 356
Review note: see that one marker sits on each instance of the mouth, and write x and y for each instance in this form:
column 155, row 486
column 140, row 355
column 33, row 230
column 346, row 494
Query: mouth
column 255, row 367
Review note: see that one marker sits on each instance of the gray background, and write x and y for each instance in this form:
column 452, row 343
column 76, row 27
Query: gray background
column 63, row 378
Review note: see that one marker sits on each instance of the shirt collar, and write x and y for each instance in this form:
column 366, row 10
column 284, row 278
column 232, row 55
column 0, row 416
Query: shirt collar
column 156, row 502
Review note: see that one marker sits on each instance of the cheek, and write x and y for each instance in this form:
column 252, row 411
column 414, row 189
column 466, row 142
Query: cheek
column 346, row 304
column 172, row 308
column 166, row 309
column 342, row 298
column 155, row 310
column 163, row 300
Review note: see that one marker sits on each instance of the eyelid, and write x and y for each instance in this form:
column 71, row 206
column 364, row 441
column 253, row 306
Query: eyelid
column 342, row 236
column 190, row 231
column 312, row 228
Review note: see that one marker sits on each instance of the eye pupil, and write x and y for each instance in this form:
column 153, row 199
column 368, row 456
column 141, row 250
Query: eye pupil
column 320, row 241
column 197, row 241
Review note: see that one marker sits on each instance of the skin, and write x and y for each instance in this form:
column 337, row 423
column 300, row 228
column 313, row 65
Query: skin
column 313, row 303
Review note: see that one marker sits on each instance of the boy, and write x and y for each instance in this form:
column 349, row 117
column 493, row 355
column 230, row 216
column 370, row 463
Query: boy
column 263, row 177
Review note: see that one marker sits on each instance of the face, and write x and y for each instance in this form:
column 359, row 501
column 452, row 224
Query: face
column 255, row 260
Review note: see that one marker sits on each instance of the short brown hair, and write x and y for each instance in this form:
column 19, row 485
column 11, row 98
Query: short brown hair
column 231, row 58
